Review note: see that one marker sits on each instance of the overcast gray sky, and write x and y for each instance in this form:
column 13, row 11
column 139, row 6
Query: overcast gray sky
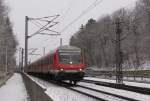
column 68, row 11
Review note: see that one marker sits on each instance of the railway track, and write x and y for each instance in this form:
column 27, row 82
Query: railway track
column 141, row 90
column 93, row 93
column 73, row 88
column 99, row 94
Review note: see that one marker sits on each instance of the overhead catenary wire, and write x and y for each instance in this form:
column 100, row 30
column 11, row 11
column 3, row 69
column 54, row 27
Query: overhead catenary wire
column 93, row 5
column 70, row 4
column 38, row 24
column 55, row 16
column 49, row 24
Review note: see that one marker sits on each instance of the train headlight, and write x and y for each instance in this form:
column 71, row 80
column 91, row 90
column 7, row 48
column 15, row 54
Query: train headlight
column 70, row 62
column 80, row 69
column 61, row 69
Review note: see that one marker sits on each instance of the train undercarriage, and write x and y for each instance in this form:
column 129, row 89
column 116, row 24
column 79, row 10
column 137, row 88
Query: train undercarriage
column 73, row 78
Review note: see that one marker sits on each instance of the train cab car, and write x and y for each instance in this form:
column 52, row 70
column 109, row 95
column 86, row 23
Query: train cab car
column 69, row 63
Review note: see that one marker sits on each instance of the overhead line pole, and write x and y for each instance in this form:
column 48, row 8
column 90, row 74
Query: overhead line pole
column 26, row 41
column 119, row 74
column 6, row 60
column 22, row 52
column 43, row 51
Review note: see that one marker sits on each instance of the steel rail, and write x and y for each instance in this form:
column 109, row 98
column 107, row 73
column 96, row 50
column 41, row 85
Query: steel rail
column 118, row 96
column 70, row 86
column 73, row 88
column 84, row 93
column 141, row 90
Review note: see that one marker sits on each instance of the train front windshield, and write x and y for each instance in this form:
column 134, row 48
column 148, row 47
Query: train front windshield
column 70, row 57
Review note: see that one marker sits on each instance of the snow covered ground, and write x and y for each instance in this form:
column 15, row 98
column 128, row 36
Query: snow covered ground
column 146, row 85
column 62, row 94
column 144, row 66
column 13, row 90
column 58, row 93
column 140, row 97
column 133, row 95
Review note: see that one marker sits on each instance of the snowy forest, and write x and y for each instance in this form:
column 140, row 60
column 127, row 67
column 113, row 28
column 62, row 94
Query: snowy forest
column 97, row 38
column 8, row 41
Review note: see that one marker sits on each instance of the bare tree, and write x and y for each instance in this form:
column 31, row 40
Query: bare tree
column 98, row 38
column 8, row 41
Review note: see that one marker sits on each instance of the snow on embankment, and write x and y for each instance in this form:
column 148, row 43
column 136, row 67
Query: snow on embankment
column 36, row 91
column 144, row 66
column 13, row 90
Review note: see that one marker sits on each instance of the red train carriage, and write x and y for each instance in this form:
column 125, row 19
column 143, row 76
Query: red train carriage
column 65, row 63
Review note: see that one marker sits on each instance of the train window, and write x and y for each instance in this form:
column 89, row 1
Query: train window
column 50, row 60
column 70, row 57
column 44, row 61
column 47, row 60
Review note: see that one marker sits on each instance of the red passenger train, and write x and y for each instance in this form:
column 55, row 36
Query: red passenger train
column 64, row 63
